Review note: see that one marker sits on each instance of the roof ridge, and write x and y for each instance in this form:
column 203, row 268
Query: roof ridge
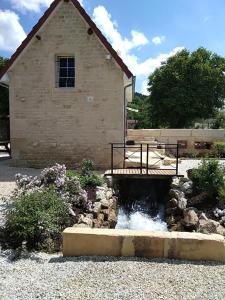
column 87, row 18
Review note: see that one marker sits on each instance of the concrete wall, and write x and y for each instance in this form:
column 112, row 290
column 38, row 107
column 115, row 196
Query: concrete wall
column 171, row 136
column 111, row 242
column 50, row 124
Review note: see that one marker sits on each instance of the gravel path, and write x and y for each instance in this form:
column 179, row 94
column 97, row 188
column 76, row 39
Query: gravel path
column 43, row 276
column 52, row 277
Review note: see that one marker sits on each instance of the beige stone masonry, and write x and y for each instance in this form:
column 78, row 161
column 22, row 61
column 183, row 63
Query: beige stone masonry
column 117, row 242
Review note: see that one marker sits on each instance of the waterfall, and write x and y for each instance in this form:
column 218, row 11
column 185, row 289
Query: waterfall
column 139, row 220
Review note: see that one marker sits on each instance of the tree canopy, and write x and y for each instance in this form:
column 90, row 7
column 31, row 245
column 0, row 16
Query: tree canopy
column 4, row 93
column 139, row 103
column 188, row 86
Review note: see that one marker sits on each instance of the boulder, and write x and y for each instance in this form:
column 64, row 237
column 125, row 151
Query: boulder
column 187, row 187
column 86, row 221
column 177, row 194
column 190, row 220
column 81, row 226
column 203, row 216
column 105, row 203
column 109, row 194
column 175, row 183
column 100, row 193
column 182, row 203
column 113, row 203
column 184, row 179
column 96, row 208
column 112, row 219
column 170, row 220
column 172, row 203
column 101, row 218
column 210, row 226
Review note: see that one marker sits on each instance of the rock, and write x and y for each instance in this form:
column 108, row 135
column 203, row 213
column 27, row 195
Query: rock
column 172, row 203
column 175, row 182
column 219, row 213
column 170, row 220
column 203, row 216
column 171, row 210
column 71, row 212
column 190, row 220
column 113, row 203
column 105, row 203
column 177, row 194
column 81, row 226
column 101, row 218
column 96, row 224
column 105, row 213
column 182, row 203
column 112, row 219
column 86, row 221
column 96, row 208
column 109, row 194
column 210, row 226
column 184, row 179
column 199, row 199
column 187, row 187
column 100, row 194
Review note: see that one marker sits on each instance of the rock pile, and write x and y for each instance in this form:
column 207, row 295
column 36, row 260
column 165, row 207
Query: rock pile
column 182, row 216
column 101, row 212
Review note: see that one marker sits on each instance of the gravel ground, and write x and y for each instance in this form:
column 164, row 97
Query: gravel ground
column 43, row 276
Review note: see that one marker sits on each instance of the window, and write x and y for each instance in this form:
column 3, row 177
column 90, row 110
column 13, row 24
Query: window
column 65, row 72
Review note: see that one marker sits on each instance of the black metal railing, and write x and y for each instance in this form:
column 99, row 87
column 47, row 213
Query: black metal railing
column 123, row 157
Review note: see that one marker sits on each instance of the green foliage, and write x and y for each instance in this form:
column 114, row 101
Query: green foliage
column 34, row 216
column 139, row 103
column 219, row 148
column 209, row 177
column 4, row 93
column 87, row 177
column 188, row 86
column 219, row 120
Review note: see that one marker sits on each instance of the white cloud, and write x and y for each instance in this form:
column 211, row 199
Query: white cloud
column 11, row 31
column 144, row 87
column 123, row 45
column 32, row 5
column 157, row 40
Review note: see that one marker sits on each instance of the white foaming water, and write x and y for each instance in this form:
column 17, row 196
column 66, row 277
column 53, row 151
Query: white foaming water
column 140, row 221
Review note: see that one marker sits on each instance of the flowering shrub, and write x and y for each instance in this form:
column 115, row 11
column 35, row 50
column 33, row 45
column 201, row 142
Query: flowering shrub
column 41, row 207
column 35, row 218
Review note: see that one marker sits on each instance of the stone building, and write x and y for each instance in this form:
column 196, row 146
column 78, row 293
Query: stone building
column 68, row 91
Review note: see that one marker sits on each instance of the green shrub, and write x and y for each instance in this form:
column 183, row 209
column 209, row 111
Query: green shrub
column 219, row 148
column 87, row 177
column 208, row 177
column 35, row 217
column 90, row 181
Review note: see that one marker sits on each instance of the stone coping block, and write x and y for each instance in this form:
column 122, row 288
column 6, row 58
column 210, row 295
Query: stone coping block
column 118, row 242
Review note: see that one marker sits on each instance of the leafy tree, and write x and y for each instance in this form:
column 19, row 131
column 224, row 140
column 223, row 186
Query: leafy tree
column 139, row 103
column 4, row 93
column 219, row 120
column 188, row 86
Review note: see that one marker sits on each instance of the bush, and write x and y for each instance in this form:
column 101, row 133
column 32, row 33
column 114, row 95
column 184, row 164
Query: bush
column 35, row 217
column 209, row 177
column 219, row 148
column 88, row 178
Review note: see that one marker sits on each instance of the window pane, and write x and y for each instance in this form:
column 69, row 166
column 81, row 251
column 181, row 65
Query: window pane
column 70, row 82
column 63, row 62
column 62, row 82
column 71, row 72
column 63, row 72
column 71, row 62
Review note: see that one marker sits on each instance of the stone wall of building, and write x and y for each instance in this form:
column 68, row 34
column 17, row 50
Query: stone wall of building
column 50, row 124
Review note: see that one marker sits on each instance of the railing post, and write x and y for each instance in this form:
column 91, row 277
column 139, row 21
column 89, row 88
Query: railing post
column 112, row 159
column 177, row 159
column 124, row 154
column 141, row 158
column 147, row 157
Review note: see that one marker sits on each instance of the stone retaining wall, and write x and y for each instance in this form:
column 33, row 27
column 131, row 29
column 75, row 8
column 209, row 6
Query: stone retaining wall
column 174, row 245
column 171, row 136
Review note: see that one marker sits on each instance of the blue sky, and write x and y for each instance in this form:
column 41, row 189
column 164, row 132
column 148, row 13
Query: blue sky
column 144, row 32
